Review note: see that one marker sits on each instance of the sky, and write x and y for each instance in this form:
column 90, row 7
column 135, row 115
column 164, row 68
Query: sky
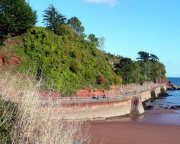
column 128, row 26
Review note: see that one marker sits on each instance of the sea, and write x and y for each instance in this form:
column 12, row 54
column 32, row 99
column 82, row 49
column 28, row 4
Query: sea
column 175, row 80
column 174, row 96
column 161, row 112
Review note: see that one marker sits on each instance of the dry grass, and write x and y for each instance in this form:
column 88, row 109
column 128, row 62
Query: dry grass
column 39, row 122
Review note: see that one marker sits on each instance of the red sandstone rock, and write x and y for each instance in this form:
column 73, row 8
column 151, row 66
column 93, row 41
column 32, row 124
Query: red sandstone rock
column 114, row 91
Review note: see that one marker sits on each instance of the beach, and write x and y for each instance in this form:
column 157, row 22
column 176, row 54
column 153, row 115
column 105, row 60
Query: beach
column 155, row 127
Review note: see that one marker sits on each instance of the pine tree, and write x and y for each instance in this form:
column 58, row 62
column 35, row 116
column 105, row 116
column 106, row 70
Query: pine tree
column 53, row 19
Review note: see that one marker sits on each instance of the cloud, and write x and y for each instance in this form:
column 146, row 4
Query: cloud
column 108, row 2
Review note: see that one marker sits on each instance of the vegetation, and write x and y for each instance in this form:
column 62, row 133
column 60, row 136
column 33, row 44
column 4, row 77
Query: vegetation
column 76, row 25
column 8, row 116
column 153, row 94
column 61, row 57
column 63, row 60
column 125, row 69
column 146, row 69
column 68, row 62
column 16, row 17
column 93, row 39
column 31, row 121
column 143, row 56
column 53, row 19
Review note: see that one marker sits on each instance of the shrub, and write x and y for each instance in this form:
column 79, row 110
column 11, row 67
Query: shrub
column 100, row 79
column 117, row 80
column 6, row 58
column 162, row 90
column 153, row 94
column 36, row 120
column 8, row 116
column 74, row 67
column 67, row 64
column 16, row 17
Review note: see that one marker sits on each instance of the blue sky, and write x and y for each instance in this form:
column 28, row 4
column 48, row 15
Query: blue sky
column 128, row 26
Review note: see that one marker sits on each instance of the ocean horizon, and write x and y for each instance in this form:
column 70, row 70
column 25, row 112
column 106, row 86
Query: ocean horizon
column 174, row 80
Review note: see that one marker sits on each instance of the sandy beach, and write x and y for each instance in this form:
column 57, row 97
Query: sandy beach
column 136, row 132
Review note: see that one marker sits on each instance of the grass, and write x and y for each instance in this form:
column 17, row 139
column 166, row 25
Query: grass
column 31, row 120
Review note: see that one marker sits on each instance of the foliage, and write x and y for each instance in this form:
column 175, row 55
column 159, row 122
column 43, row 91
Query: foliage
column 29, row 121
column 153, row 94
column 8, row 114
column 143, row 56
column 76, row 25
column 68, row 62
column 93, row 39
column 16, row 17
column 52, row 18
column 144, row 70
column 153, row 58
column 162, row 90
column 63, row 59
column 65, row 30
column 100, row 80
column 126, row 69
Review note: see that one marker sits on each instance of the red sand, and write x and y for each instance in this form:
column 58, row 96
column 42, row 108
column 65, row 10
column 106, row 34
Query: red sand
column 116, row 132
column 150, row 130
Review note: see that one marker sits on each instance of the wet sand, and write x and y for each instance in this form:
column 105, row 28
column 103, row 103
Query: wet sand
column 141, row 131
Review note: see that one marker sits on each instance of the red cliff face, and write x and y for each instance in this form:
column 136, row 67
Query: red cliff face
column 113, row 91
column 8, row 60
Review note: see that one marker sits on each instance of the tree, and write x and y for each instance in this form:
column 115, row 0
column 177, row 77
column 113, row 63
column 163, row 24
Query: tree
column 93, row 39
column 76, row 25
column 53, row 19
column 153, row 58
column 143, row 56
column 15, row 17
column 125, row 69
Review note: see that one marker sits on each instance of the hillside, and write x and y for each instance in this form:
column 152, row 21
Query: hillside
column 64, row 62
column 62, row 56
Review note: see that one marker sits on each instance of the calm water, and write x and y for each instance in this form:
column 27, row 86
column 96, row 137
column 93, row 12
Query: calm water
column 158, row 114
column 174, row 96
column 175, row 80
column 166, row 116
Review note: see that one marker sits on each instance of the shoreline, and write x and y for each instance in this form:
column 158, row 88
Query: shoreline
column 119, row 131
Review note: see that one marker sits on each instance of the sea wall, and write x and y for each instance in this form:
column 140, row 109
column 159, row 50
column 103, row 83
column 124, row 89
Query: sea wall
column 98, row 109
column 102, row 110
column 145, row 95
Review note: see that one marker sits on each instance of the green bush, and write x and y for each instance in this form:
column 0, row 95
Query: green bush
column 74, row 67
column 162, row 90
column 67, row 61
column 8, row 115
column 153, row 94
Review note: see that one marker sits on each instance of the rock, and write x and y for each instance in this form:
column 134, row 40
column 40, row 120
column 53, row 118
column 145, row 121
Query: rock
column 163, row 94
column 148, row 107
column 173, row 107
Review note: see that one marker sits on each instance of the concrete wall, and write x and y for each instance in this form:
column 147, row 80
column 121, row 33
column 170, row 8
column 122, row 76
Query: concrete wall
column 164, row 86
column 106, row 109
column 146, row 95
column 157, row 91
column 100, row 111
